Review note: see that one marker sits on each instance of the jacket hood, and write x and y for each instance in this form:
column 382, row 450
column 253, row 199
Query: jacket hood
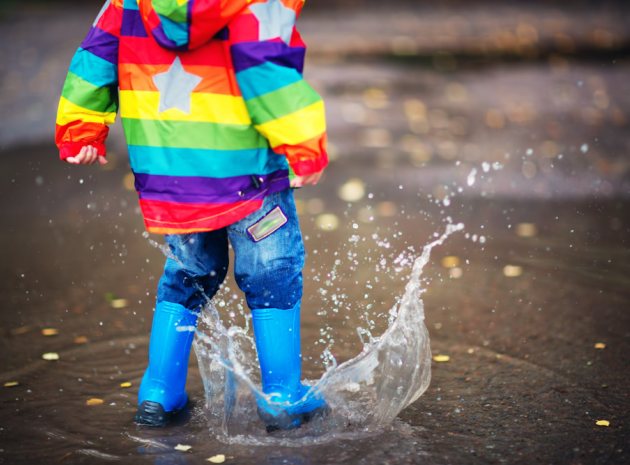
column 187, row 24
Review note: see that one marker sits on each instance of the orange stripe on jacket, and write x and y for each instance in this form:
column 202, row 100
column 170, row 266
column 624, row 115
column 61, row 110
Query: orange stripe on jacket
column 216, row 79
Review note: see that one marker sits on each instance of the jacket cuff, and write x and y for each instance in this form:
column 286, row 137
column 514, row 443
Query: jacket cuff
column 307, row 166
column 71, row 149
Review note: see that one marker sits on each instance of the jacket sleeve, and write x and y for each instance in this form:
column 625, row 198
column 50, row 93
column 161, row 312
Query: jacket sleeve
column 268, row 58
column 89, row 100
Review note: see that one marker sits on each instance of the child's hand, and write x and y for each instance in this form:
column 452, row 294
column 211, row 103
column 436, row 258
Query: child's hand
column 300, row 181
column 87, row 156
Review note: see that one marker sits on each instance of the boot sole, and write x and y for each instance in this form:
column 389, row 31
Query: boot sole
column 152, row 414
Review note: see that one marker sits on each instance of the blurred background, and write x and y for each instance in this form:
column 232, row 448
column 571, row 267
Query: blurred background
column 512, row 117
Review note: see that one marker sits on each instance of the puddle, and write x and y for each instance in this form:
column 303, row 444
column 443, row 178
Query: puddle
column 365, row 393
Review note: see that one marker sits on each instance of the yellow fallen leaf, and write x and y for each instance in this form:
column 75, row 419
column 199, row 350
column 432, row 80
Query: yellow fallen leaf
column 512, row 271
column 183, row 447
column 600, row 345
column 119, row 303
column 50, row 332
column 20, row 331
column 352, row 191
column 50, row 356
column 80, row 340
column 11, row 384
column 441, row 358
column 375, row 98
column 327, row 221
column 602, row 423
column 128, row 181
column 126, row 384
column 94, row 401
column 219, row 458
column 526, row 230
column 450, row 261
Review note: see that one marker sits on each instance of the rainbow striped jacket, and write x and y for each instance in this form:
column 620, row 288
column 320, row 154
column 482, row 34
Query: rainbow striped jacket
column 212, row 100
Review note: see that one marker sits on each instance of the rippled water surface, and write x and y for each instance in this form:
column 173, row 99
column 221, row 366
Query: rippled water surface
column 526, row 308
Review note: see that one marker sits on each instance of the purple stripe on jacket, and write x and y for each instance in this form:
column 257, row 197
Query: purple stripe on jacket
column 249, row 54
column 193, row 189
column 102, row 44
column 132, row 25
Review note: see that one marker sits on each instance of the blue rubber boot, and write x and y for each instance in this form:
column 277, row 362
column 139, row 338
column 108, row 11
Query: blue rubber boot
column 290, row 403
column 162, row 391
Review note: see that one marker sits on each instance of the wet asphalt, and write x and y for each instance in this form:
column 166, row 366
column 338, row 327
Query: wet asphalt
column 533, row 317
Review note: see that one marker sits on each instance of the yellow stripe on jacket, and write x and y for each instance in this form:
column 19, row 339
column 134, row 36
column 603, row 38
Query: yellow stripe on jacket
column 204, row 107
column 69, row 112
column 297, row 127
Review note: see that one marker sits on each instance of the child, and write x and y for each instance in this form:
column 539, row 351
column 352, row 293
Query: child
column 220, row 124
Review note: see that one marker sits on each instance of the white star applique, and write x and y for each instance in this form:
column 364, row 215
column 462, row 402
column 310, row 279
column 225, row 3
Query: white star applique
column 176, row 86
column 275, row 20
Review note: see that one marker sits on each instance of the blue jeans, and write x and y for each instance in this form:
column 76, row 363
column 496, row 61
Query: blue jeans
column 267, row 268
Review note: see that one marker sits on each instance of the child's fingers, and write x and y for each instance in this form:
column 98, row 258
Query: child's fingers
column 87, row 156
column 90, row 156
column 77, row 159
column 314, row 178
column 83, row 154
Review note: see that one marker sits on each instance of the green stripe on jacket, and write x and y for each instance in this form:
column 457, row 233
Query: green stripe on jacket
column 87, row 95
column 282, row 102
column 189, row 134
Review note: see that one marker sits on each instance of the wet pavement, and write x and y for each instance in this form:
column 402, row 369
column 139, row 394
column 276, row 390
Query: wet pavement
column 529, row 303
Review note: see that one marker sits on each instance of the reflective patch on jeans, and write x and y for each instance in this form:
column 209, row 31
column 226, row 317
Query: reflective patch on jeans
column 268, row 224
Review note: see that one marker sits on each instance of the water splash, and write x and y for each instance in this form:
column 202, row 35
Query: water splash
column 366, row 393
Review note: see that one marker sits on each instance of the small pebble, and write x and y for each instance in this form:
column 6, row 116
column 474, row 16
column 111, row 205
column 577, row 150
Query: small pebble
column 455, row 273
